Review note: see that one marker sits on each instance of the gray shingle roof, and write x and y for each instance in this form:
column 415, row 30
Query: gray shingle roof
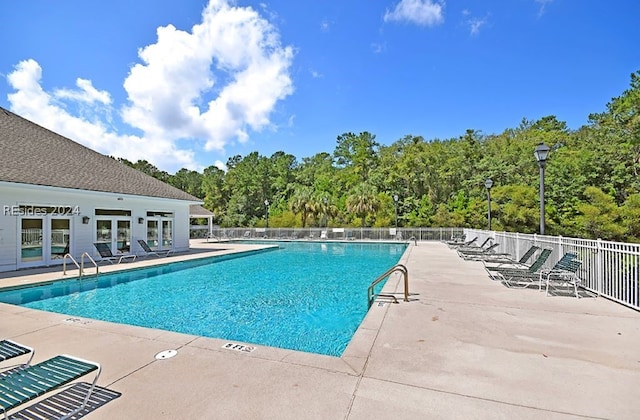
column 31, row 154
column 196, row 210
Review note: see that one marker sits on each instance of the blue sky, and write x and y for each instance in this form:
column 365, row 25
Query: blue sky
column 191, row 83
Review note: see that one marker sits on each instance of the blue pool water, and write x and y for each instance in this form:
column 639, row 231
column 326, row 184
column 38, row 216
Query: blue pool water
column 302, row 296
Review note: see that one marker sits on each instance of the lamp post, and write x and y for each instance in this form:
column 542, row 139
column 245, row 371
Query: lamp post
column 488, row 184
column 325, row 200
column 395, row 204
column 542, row 153
column 266, row 204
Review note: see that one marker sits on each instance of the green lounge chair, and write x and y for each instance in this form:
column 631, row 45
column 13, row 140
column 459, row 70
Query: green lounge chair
column 10, row 349
column 500, row 261
column 472, row 247
column 564, row 274
column 481, row 254
column 456, row 239
column 526, row 278
column 505, row 273
column 18, row 386
column 456, row 245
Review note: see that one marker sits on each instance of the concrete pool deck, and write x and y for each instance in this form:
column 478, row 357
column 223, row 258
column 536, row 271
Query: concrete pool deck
column 463, row 347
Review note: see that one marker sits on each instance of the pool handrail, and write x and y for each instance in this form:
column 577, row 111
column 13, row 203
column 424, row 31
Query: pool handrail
column 80, row 266
column 398, row 267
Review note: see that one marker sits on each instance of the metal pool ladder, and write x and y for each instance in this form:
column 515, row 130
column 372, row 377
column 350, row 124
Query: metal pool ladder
column 80, row 266
column 398, row 267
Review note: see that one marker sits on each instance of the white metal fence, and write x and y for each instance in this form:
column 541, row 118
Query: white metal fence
column 609, row 269
column 375, row 234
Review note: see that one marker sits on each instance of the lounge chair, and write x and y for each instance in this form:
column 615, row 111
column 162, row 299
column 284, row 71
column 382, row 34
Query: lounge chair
column 502, row 261
column 18, row 386
column 505, row 274
column 565, row 274
column 148, row 251
column 61, row 254
column 456, row 239
column 479, row 254
column 10, row 349
column 455, row 245
column 525, row 279
column 323, row 234
column 107, row 255
column 471, row 247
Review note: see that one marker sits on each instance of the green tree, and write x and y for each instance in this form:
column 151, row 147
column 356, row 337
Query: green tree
column 215, row 196
column 631, row 217
column 302, row 203
column 515, row 208
column 357, row 156
column 362, row 202
column 600, row 216
column 188, row 181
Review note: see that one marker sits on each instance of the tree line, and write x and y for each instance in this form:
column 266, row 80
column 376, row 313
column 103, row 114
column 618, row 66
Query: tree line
column 592, row 188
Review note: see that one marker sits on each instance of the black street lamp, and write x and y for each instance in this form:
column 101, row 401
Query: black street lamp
column 266, row 204
column 325, row 200
column 542, row 153
column 395, row 203
column 488, row 184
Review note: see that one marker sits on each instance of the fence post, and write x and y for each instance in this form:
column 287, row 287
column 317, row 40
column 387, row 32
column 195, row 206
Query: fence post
column 560, row 246
column 599, row 265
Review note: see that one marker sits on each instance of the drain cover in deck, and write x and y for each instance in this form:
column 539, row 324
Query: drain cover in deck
column 167, row 354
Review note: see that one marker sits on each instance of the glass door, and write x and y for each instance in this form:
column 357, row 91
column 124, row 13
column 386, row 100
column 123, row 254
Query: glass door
column 160, row 233
column 114, row 232
column 124, row 236
column 104, row 232
column 60, row 233
column 167, row 234
column 31, row 243
column 44, row 240
column 152, row 233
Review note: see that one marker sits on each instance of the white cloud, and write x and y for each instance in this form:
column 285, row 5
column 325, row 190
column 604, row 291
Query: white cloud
column 378, row 48
column 233, row 53
column 421, row 12
column 87, row 93
column 220, row 165
column 211, row 85
column 543, row 5
column 475, row 24
column 32, row 102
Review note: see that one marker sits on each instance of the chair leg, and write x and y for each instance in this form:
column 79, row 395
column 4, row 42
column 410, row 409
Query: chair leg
column 546, row 293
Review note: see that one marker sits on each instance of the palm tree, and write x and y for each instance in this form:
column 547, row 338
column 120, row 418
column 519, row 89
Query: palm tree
column 302, row 202
column 325, row 208
column 362, row 201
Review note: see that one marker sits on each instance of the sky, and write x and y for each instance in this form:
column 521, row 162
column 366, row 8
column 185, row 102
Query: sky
column 190, row 83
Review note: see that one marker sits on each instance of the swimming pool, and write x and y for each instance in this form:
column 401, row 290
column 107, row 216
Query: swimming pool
column 306, row 296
